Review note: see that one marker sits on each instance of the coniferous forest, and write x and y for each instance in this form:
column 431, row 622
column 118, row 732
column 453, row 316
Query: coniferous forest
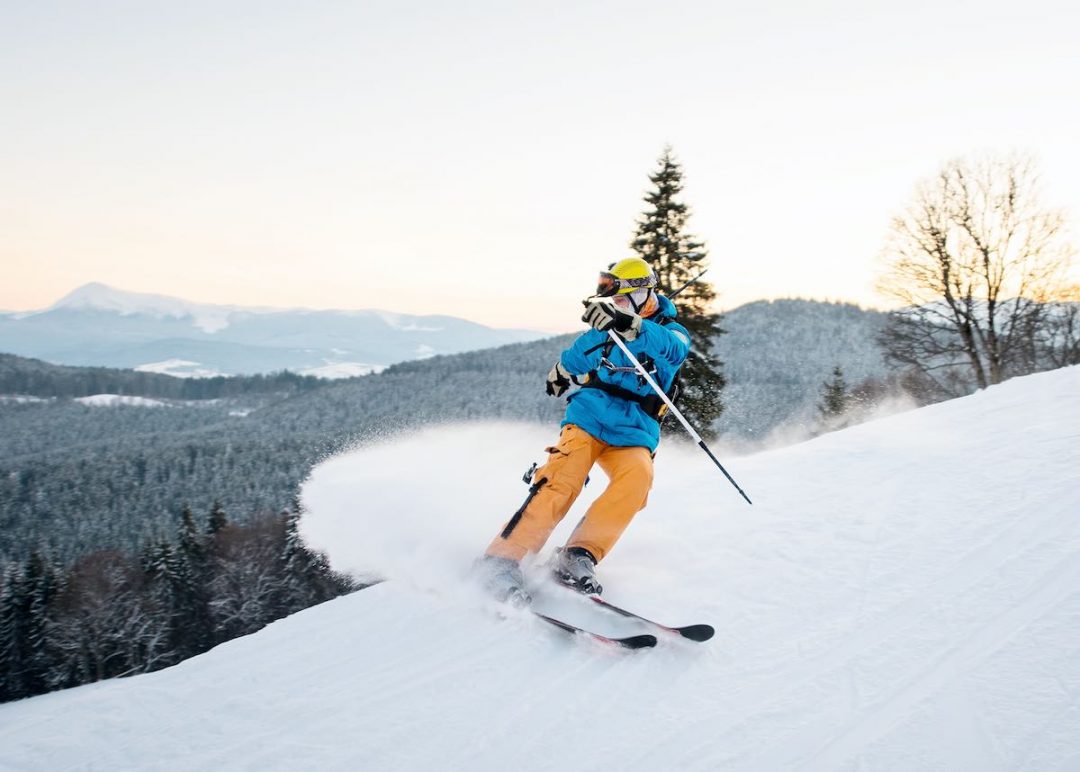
column 78, row 477
column 112, row 613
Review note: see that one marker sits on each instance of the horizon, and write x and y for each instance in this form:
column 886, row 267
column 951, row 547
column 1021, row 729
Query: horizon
column 478, row 162
column 269, row 308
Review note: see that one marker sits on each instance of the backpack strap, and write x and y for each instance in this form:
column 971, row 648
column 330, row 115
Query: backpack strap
column 652, row 404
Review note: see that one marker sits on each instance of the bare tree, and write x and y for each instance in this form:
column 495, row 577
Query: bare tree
column 1062, row 335
column 248, row 582
column 102, row 626
column 976, row 261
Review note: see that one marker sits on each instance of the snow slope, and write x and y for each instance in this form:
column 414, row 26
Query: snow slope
column 903, row 595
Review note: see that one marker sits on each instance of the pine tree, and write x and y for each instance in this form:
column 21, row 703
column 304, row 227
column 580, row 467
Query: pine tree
column 678, row 257
column 192, row 624
column 23, row 611
column 308, row 576
column 834, row 395
column 190, row 542
column 43, row 583
column 835, row 401
column 295, row 562
column 10, row 624
column 163, row 588
column 218, row 519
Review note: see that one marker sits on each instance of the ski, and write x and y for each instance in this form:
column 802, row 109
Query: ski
column 697, row 633
column 630, row 642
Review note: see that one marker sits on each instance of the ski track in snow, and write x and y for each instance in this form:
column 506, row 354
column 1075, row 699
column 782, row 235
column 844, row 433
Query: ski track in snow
column 903, row 595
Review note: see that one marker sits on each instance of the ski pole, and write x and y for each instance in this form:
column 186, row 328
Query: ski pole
column 675, row 411
column 680, row 289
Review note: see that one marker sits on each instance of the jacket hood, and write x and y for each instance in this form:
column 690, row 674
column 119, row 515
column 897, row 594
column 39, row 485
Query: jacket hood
column 666, row 308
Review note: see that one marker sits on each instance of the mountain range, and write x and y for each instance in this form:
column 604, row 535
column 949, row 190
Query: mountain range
column 103, row 326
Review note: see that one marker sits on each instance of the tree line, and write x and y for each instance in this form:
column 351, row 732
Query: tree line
column 113, row 614
column 33, row 377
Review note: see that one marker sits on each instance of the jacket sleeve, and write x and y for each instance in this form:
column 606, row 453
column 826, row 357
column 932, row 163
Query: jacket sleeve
column 584, row 353
column 669, row 343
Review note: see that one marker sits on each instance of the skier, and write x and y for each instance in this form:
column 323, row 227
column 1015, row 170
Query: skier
column 612, row 420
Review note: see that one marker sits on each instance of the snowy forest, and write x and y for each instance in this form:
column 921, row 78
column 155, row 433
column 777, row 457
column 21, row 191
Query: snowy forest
column 23, row 376
column 78, row 477
column 114, row 613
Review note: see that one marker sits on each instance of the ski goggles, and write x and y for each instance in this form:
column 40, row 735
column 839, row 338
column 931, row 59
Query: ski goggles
column 610, row 284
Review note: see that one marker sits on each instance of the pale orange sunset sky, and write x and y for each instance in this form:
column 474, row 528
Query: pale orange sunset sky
column 485, row 159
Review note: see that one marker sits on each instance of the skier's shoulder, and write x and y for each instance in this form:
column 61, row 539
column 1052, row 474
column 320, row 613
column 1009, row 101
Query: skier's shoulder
column 666, row 318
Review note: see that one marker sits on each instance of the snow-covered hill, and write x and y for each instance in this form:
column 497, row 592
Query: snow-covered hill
column 903, row 595
column 103, row 326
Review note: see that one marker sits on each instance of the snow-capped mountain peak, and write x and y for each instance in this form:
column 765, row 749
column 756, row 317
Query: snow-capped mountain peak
column 103, row 326
column 102, row 297
column 96, row 296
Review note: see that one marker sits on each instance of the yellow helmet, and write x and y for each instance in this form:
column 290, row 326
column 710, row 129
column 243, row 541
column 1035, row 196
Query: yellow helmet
column 625, row 276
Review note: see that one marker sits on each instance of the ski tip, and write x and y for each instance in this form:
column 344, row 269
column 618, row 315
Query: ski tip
column 699, row 633
column 636, row 641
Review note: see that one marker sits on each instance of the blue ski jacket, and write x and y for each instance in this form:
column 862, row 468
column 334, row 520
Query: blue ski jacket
column 662, row 347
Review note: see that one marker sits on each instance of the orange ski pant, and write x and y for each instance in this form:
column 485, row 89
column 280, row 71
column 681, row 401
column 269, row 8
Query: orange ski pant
column 556, row 486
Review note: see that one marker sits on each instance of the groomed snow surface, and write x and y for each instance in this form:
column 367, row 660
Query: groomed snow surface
column 904, row 595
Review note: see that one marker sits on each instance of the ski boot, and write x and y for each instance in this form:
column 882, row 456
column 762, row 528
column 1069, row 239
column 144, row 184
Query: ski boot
column 576, row 567
column 501, row 578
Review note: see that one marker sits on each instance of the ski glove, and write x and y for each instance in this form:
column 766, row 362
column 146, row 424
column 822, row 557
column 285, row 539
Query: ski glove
column 603, row 315
column 560, row 379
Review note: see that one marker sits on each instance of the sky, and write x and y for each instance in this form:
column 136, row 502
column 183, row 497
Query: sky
column 486, row 159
